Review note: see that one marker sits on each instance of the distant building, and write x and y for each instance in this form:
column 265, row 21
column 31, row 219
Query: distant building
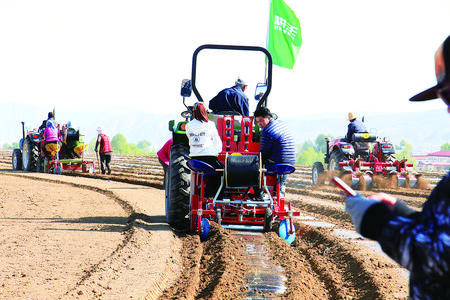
column 435, row 161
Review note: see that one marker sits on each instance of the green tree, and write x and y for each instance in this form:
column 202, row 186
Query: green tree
column 406, row 152
column 306, row 145
column 92, row 145
column 405, row 144
column 145, row 146
column 320, row 145
column 14, row 145
column 119, row 144
column 309, row 156
column 445, row 147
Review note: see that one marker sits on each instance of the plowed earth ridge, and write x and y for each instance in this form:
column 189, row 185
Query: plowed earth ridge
column 319, row 265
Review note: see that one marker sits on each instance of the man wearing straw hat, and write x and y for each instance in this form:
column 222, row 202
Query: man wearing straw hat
column 354, row 126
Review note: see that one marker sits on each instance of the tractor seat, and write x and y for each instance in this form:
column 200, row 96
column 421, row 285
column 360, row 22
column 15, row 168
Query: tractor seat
column 361, row 147
column 361, row 141
column 279, row 169
column 201, row 167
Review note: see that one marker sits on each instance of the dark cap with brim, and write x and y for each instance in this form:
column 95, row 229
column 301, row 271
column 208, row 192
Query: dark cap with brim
column 442, row 64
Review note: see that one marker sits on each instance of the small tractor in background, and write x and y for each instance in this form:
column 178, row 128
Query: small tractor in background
column 186, row 206
column 365, row 162
column 31, row 156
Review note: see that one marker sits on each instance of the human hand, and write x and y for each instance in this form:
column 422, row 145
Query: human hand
column 396, row 205
column 389, row 200
column 357, row 206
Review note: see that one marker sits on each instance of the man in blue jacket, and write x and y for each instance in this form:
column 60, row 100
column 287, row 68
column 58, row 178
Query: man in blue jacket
column 231, row 99
column 277, row 144
column 417, row 240
column 354, row 126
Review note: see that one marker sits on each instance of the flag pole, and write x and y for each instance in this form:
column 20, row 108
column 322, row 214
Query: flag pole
column 267, row 41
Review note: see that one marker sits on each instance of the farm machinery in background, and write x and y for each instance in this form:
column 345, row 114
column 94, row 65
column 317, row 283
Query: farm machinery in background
column 31, row 155
column 365, row 162
column 186, row 206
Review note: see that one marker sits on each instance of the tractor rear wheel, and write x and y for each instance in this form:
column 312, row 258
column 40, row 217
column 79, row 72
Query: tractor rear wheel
column 178, row 188
column 335, row 157
column 30, row 154
column 17, row 160
column 317, row 171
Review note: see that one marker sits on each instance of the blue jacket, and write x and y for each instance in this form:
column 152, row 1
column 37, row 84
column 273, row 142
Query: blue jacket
column 419, row 242
column 353, row 127
column 277, row 144
column 230, row 99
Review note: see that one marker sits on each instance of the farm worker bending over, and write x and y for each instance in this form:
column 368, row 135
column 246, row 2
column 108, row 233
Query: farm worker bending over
column 105, row 149
column 354, row 126
column 417, row 240
column 51, row 136
column 164, row 156
column 277, row 144
column 205, row 145
column 231, row 99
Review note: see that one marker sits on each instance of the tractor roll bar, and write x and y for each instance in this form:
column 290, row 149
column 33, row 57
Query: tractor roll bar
column 263, row 100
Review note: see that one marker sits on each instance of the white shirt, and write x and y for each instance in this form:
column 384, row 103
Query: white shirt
column 203, row 138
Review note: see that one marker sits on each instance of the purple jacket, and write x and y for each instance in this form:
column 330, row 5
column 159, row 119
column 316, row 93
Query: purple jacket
column 50, row 134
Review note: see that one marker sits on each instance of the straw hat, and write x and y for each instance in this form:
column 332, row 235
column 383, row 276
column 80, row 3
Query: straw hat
column 351, row 116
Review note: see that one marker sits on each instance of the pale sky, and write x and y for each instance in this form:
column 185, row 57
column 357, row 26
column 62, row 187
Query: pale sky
column 356, row 55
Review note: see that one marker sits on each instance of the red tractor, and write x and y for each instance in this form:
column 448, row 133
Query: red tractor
column 186, row 206
column 366, row 157
column 32, row 157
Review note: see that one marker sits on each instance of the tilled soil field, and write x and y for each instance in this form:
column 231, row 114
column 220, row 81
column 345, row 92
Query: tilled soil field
column 87, row 236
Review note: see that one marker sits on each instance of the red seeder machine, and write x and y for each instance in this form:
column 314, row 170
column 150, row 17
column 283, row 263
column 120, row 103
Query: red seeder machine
column 234, row 204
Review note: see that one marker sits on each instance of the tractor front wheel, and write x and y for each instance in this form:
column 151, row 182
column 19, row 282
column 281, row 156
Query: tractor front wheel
column 317, row 171
column 17, row 160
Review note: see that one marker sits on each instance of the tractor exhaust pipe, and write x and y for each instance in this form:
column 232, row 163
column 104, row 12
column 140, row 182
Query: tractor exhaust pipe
column 327, row 155
column 23, row 130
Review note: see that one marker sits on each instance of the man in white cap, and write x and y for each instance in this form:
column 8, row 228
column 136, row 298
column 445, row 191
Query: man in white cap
column 231, row 99
column 354, row 126
column 105, row 149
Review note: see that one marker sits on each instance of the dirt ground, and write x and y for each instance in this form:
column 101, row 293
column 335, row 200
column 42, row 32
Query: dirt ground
column 77, row 237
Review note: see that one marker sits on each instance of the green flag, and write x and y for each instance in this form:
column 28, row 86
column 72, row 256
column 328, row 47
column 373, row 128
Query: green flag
column 285, row 37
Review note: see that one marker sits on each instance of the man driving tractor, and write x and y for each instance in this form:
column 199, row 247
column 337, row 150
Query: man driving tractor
column 354, row 126
column 231, row 99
